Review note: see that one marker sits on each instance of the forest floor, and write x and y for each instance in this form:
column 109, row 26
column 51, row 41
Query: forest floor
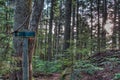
column 54, row 76
column 108, row 60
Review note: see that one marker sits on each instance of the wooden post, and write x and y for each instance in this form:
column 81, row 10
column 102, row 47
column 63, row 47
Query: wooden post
column 25, row 63
column 25, row 60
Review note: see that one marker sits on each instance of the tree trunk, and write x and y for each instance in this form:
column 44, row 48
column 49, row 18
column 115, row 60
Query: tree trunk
column 49, row 52
column 73, row 20
column 67, row 24
column 119, row 22
column 91, row 11
column 22, row 11
column 34, row 22
column 114, row 43
column 104, row 16
column 98, row 29
column 77, row 30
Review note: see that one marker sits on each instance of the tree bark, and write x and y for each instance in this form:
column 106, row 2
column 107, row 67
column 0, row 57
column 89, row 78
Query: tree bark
column 22, row 11
column 104, row 17
column 49, row 52
column 119, row 22
column 98, row 29
column 77, row 29
column 34, row 22
column 91, row 11
column 67, row 24
column 114, row 43
column 73, row 20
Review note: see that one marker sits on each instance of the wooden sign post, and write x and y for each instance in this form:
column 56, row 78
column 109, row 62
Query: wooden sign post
column 25, row 64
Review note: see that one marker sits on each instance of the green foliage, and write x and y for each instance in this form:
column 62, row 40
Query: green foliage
column 86, row 66
column 2, row 2
column 78, row 68
column 46, row 66
column 6, row 46
column 72, row 52
column 111, row 62
column 56, row 9
column 7, row 64
column 4, row 67
column 83, row 67
column 117, row 76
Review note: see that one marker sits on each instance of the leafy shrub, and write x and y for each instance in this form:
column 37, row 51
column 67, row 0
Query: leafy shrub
column 8, row 65
column 84, row 66
column 111, row 62
column 4, row 67
column 46, row 66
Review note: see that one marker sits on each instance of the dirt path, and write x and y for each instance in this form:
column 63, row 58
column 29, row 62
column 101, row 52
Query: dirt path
column 54, row 76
